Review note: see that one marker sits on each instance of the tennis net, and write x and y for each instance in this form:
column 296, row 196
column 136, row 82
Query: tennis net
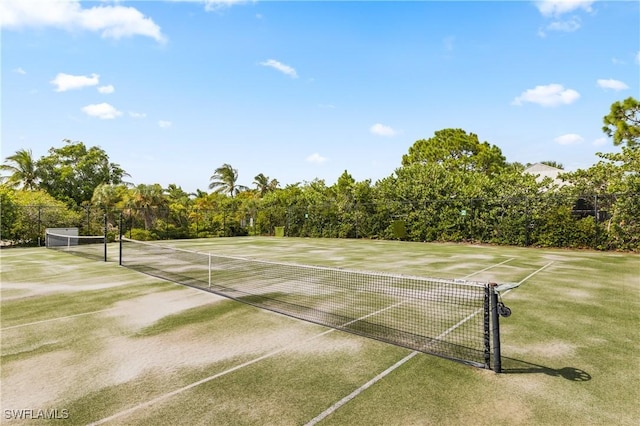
column 447, row 318
column 93, row 246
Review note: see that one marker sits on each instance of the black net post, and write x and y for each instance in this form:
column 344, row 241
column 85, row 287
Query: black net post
column 495, row 319
column 487, row 326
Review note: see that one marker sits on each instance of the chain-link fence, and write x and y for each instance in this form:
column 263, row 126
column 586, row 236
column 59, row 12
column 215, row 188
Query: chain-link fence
column 546, row 220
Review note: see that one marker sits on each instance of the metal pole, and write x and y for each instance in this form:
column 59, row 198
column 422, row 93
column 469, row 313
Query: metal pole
column 39, row 223
column 487, row 327
column 120, row 240
column 495, row 319
column 595, row 212
column 105, row 237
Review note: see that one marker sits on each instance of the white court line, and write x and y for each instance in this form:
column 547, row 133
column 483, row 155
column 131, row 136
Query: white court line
column 358, row 391
column 530, row 275
column 56, row 319
column 386, row 372
column 488, row 267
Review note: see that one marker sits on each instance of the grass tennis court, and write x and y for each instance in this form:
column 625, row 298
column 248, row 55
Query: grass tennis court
column 92, row 342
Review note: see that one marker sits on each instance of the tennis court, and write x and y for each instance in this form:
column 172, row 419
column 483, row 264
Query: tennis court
column 92, row 342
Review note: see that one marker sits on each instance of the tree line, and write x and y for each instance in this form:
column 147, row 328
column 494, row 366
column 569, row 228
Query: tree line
column 449, row 187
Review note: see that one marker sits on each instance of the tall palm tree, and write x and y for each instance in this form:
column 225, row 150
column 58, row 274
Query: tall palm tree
column 22, row 169
column 224, row 180
column 147, row 200
column 265, row 185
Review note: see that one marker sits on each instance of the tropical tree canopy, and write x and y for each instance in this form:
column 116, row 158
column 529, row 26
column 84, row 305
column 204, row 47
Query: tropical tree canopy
column 22, row 170
column 264, row 184
column 456, row 149
column 225, row 180
column 71, row 173
column 623, row 123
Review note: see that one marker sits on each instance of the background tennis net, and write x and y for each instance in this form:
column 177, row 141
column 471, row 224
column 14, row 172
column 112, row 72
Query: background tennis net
column 92, row 247
column 448, row 318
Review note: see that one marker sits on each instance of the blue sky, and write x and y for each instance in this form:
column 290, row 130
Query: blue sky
column 301, row 90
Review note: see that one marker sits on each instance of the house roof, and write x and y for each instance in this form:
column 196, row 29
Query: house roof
column 542, row 171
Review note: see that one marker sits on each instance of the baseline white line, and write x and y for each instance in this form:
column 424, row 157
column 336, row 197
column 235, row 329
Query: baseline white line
column 56, row 319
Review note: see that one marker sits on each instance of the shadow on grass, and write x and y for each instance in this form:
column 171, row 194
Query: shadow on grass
column 516, row 366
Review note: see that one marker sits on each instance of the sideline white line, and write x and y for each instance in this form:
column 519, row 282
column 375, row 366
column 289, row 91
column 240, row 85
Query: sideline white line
column 386, row 372
column 56, row 319
column 358, row 391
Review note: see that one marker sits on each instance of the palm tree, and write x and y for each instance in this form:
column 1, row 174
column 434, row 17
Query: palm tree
column 224, row 180
column 147, row 200
column 22, row 168
column 265, row 185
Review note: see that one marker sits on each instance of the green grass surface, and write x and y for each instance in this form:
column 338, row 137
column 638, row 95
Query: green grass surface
column 570, row 347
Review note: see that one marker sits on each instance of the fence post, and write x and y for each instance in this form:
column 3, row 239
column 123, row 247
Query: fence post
column 595, row 231
column 105, row 237
column 120, row 240
column 39, row 224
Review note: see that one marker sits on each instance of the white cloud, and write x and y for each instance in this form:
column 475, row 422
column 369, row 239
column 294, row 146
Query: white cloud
column 548, row 96
column 567, row 26
column 551, row 8
column 133, row 114
column 600, row 142
column 66, row 82
column 316, row 158
column 569, row 139
column 283, row 68
column 19, row 70
column 382, row 130
column 612, row 84
column 213, row 5
column 164, row 124
column 111, row 21
column 638, row 57
column 103, row 111
column 106, row 89
column 556, row 9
